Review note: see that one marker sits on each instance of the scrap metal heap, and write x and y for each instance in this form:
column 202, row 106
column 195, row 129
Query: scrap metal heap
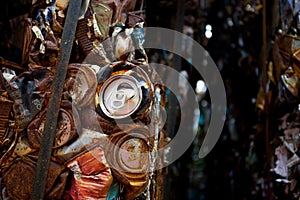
column 107, row 118
column 278, row 100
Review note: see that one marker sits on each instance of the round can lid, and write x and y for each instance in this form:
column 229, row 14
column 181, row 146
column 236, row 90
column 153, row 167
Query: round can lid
column 120, row 96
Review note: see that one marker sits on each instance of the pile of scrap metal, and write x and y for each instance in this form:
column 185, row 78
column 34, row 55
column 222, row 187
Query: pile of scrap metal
column 281, row 102
column 286, row 143
column 107, row 122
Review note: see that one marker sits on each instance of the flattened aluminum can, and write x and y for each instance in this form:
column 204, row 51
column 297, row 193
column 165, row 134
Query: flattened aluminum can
column 120, row 96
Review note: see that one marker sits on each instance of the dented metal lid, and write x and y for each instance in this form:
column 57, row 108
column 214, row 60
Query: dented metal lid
column 120, row 96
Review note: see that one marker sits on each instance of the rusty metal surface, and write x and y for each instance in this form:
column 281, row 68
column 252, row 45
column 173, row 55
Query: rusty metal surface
column 6, row 107
column 91, row 176
column 82, row 148
column 53, row 109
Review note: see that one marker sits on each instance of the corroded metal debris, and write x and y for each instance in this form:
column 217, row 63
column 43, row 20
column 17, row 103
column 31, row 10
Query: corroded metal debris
column 104, row 131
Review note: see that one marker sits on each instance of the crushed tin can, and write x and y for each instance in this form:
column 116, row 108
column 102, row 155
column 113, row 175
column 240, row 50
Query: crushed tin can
column 103, row 16
column 86, row 141
column 129, row 158
column 91, row 176
column 84, row 41
column 29, row 92
column 289, row 86
column 68, row 127
column 125, row 91
column 80, row 84
column 18, row 179
column 120, row 96
column 5, row 113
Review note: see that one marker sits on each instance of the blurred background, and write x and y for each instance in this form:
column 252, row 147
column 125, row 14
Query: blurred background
column 253, row 44
column 231, row 31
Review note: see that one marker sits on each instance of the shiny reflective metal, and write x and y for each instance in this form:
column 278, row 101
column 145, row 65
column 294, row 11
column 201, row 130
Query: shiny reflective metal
column 291, row 81
column 128, row 155
column 120, row 96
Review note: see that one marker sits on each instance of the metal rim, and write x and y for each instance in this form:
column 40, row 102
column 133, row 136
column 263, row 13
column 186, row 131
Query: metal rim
column 118, row 79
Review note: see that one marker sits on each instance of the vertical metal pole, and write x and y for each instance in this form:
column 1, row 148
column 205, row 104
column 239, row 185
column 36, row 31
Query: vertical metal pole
column 54, row 103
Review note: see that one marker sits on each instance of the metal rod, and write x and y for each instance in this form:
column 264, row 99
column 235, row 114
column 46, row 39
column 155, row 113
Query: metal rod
column 54, row 102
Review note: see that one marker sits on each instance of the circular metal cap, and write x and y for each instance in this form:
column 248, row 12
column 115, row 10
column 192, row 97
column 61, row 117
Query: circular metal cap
column 133, row 155
column 120, row 96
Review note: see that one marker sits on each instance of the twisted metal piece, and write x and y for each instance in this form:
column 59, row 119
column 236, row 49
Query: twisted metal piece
column 84, row 41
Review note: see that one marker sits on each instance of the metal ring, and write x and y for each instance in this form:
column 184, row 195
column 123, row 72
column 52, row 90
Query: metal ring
column 120, row 96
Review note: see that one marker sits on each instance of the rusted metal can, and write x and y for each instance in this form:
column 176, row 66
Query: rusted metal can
column 91, row 176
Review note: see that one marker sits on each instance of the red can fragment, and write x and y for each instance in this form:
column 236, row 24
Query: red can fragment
column 92, row 176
